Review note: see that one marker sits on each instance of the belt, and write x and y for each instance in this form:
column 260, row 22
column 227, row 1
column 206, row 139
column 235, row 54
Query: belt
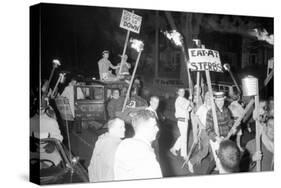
column 181, row 119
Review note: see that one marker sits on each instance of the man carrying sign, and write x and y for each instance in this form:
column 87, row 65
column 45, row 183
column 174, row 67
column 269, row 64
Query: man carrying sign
column 225, row 123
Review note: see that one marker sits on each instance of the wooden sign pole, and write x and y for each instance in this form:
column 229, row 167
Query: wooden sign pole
column 198, row 87
column 258, row 131
column 190, row 84
column 131, row 82
column 124, row 49
column 215, row 118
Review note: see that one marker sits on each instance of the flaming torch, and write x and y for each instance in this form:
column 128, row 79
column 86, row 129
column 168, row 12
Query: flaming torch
column 138, row 46
column 262, row 35
column 61, row 80
column 45, row 95
column 175, row 36
column 177, row 39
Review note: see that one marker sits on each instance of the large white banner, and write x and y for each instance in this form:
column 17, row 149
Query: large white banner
column 130, row 21
column 204, row 59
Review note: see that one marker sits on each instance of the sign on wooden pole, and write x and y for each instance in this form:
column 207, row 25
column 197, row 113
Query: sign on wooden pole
column 207, row 60
column 130, row 22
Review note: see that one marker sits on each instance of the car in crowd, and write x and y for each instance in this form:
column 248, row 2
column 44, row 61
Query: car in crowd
column 52, row 163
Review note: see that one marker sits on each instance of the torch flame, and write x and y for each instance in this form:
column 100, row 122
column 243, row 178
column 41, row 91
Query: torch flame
column 56, row 62
column 137, row 44
column 175, row 36
column 263, row 35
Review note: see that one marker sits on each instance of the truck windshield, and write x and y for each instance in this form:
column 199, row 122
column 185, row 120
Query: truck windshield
column 89, row 93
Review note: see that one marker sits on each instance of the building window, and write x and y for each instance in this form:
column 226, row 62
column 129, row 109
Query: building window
column 253, row 59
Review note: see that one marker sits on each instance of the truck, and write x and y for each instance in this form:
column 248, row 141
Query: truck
column 91, row 110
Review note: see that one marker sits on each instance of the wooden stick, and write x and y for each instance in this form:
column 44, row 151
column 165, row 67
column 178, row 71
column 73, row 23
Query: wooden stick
column 124, row 50
column 258, row 131
column 268, row 78
column 198, row 87
column 238, row 121
column 215, row 118
column 233, row 79
column 131, row 82
column 56, row 86
column 195, row 141
column 190, row 83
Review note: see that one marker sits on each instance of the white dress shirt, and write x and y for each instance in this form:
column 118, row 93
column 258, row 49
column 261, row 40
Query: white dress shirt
column 182, row 106
column 135, row 159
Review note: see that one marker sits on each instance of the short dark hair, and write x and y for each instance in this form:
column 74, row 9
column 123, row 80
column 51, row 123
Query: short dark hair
column 229, row 156
column 141, row 116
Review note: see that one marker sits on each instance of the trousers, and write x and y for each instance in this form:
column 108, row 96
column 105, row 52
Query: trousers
column 181, row 142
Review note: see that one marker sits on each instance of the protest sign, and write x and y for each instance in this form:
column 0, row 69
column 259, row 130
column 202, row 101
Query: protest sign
column 130, row 21
column 204, row 59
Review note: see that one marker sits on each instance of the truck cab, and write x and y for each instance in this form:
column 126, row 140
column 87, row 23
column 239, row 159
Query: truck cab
column 89, row 110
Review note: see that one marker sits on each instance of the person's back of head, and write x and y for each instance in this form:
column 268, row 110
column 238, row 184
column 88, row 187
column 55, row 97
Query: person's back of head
column 229, row 156
column 145, row 125
column 116, row 127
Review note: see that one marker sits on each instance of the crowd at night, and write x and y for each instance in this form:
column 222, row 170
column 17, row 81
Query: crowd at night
column 126, row 94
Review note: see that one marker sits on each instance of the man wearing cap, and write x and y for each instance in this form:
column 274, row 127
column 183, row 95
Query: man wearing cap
column 104, row 65
column 225, row 122
column 68, row 92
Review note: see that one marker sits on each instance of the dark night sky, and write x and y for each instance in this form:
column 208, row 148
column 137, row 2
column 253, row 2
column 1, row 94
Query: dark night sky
column 77, row 35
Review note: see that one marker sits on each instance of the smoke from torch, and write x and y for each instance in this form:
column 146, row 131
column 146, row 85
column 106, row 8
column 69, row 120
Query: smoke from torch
column 263, row 35
column 175, row 36
column 137, row 44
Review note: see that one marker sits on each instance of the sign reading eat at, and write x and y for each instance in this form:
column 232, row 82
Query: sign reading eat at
column 130, row 21
column 204, row 59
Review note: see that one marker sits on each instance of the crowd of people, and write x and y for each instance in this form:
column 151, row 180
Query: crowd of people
column 229, row 148
column 233, row 150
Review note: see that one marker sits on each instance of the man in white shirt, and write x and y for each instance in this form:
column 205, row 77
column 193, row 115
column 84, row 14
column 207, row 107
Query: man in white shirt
column 202, row 138
column 104, row 65
column 182, row 109
column 47, row 128
column 153, row 105
column 68, row 92
column 102, row 161
column 135, row 158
